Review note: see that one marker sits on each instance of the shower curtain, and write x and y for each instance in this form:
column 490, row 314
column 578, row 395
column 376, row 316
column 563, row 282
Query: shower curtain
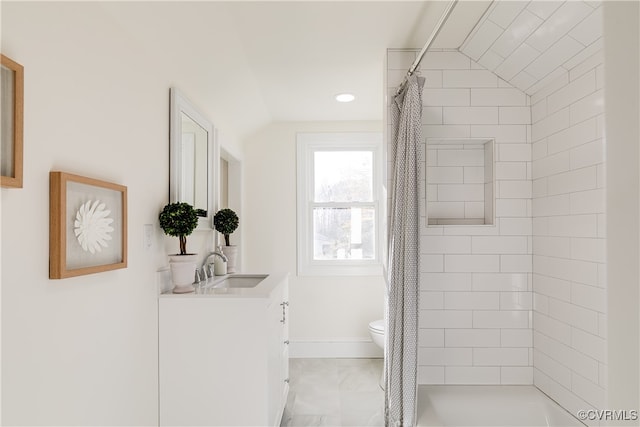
column 402, row 275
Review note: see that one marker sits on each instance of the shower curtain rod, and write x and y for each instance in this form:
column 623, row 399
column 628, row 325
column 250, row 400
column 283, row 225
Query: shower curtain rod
column 427, row 45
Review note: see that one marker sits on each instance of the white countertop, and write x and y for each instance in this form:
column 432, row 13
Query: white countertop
column 211, row 290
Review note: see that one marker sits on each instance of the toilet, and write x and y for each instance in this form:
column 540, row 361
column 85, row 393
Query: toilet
column 376, row 330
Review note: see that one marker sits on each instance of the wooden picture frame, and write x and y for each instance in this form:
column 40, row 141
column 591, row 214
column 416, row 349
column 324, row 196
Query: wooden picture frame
column 11, row 113
column 87, row 225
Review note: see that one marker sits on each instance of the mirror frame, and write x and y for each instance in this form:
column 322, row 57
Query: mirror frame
column 16, row 142
column 180, row 104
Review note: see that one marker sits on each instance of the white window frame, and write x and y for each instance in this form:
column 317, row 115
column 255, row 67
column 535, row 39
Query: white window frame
column 307, row 145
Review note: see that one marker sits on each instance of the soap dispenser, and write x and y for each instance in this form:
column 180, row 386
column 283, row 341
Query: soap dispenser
column 220, row 263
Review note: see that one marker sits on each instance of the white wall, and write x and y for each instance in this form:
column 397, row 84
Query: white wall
column 569, row 228
column 329, row 315
column 475, row 281
column 622, row 44
column 83, row 351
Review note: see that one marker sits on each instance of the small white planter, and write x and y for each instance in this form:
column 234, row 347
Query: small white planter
column 231, row 252
column 183, row 269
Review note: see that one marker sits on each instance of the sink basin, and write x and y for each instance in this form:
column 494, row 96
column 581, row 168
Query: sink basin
column 241, row 281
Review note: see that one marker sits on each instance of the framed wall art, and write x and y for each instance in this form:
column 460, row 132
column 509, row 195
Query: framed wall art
column 87, row 225
column 11, row 109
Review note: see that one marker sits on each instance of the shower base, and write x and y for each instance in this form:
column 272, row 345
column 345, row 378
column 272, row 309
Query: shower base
column 462, row 405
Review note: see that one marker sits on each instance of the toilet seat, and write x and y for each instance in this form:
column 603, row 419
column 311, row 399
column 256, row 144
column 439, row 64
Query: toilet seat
column 377, row 326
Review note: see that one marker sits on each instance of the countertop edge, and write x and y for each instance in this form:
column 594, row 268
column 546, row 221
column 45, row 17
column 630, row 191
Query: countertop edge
column 261, row 291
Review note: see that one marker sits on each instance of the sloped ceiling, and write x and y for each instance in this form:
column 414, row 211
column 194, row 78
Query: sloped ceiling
column 266, row 61
column 269, row 61
column 302, row 53
column 531, row 43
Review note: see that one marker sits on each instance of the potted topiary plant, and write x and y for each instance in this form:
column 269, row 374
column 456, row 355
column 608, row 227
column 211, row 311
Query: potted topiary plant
column 226, row 222
column 179, row 220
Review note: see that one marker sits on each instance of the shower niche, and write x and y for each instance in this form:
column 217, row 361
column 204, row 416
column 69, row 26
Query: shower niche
column 460, row 181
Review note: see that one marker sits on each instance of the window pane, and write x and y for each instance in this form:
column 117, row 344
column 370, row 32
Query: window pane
column 343, row 176
column 343, row 233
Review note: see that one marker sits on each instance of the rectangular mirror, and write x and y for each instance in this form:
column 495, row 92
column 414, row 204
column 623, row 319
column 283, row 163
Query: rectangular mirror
column 11, row 109
column 193, row 148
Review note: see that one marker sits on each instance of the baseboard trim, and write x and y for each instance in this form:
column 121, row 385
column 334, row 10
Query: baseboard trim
column 334, row 348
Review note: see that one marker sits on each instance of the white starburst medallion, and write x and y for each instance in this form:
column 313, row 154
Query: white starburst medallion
column 92, row 226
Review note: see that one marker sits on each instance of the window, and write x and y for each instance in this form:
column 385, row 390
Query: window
column 339, row 203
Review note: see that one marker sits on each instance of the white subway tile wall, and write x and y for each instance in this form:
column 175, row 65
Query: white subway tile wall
column 476, row 280
column 569, row 241
column 522, row 301
column 550, row 190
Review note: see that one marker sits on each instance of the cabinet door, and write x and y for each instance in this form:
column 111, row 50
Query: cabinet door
column 212, row 368
column 285, row 342
column 275, row 381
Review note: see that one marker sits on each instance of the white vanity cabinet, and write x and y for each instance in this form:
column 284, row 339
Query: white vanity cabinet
column 223, row 358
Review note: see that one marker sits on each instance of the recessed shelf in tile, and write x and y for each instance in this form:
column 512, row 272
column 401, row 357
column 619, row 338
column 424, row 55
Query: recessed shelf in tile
column 460, row 181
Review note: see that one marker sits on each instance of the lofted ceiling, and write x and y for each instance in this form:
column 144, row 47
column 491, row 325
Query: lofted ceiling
column 303, row 53
column 265, row 61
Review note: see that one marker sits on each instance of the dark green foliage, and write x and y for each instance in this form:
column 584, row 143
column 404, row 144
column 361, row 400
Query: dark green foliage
column 179, row 220
column 226, row 222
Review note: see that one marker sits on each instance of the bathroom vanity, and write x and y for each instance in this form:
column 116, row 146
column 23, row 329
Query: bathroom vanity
column 223, row 353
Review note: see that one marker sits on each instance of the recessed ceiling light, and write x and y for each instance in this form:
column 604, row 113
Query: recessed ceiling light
column 345, row 97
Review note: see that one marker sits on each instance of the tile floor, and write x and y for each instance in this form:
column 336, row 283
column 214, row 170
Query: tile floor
column 346, row 392
column 334, row 392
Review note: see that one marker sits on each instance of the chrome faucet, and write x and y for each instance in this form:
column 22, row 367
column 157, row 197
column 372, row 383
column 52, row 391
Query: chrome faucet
column 209, row 273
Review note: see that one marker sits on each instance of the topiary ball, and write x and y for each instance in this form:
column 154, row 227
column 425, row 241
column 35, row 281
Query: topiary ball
column 178, row 219
column 225, row 221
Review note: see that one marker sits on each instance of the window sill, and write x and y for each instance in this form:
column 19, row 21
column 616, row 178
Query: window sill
column 340, row 270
